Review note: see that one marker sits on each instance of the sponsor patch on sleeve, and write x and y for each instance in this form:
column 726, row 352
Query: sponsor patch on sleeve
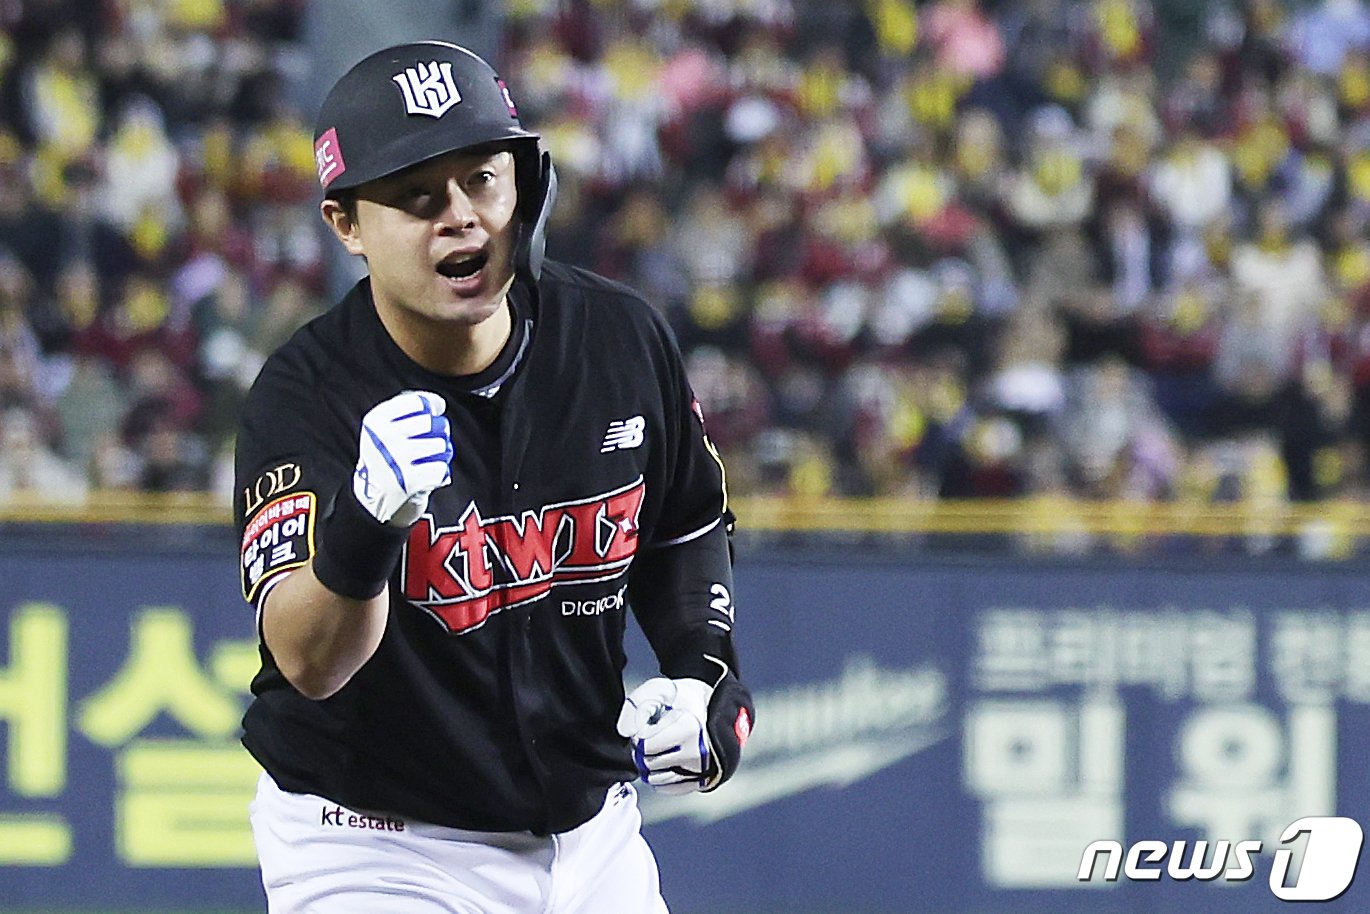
column 280, row 536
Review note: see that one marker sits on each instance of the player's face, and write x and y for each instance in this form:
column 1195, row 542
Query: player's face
column 438, row 238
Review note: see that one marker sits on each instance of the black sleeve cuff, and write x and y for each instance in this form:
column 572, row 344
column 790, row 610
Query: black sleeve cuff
column 356, row 552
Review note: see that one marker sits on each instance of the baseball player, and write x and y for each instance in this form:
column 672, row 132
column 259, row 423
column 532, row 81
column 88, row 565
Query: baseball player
column 452, row 487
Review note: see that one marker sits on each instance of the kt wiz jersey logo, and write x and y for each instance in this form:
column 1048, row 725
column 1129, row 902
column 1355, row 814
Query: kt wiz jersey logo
column 463, row 574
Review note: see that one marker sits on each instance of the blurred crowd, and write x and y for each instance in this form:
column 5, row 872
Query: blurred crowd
column 158, row 234
column 957, row 248
column 1107, row 248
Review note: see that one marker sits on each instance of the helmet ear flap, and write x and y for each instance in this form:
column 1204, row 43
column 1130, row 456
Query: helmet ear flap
column 537, row 187
column 528, row 167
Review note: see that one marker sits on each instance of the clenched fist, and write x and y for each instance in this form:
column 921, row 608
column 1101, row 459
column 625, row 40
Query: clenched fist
column 405, row 453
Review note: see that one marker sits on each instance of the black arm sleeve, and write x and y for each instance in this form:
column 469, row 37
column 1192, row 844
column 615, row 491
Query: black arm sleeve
column 682, row 595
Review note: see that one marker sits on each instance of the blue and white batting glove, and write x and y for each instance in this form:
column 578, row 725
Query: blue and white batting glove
column 405, row 453
column 665, row 721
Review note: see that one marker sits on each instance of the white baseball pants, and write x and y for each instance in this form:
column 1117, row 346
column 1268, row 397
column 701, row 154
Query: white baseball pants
column 320, row 858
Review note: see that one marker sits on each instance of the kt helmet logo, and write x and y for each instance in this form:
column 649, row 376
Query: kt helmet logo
column 428, row 88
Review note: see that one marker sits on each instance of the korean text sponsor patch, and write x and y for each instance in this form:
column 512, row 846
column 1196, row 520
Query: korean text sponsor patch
column 328, row 157
column 279, row 537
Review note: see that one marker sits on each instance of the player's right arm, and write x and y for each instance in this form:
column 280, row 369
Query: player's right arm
column 319, row 638
column 322, row 598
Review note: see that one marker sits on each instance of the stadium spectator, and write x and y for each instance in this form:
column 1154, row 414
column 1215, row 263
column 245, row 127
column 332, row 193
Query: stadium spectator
column 28, row 465
column 911, row 248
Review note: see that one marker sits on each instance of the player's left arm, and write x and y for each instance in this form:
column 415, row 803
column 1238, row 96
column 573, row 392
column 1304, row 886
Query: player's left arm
column 688, row 727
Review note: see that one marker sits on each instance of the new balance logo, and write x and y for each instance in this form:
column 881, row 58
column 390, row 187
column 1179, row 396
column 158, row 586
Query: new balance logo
column 428, row 88
column 623, row 434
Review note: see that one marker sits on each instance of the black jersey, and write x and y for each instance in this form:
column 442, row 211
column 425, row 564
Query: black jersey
column 491, row 701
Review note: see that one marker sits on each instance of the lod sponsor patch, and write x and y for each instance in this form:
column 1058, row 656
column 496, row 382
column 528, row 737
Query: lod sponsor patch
column 278, row 537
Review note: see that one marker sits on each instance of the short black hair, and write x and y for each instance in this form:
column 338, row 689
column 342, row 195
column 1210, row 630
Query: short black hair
column 347, row 199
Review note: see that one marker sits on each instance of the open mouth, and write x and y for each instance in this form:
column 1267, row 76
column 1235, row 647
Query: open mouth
column 463, row 266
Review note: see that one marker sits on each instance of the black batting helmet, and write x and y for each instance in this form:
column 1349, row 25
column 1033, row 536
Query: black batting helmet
column 409, row 103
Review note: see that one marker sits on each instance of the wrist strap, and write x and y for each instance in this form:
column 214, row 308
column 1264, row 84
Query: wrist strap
column 356, row 552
